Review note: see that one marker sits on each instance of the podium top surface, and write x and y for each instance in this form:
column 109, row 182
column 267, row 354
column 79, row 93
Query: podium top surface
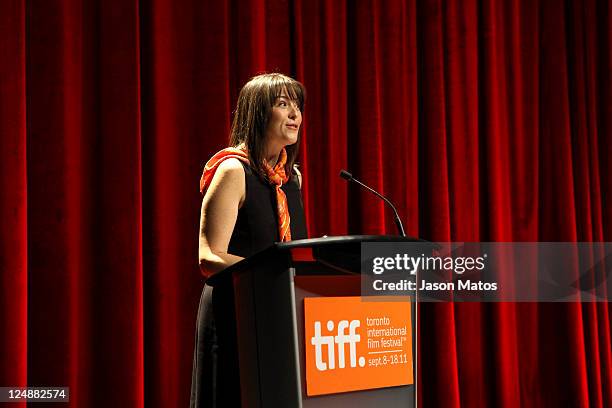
column 342, row 239
column 345, row 246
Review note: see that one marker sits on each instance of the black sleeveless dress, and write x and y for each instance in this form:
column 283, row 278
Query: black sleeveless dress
column 215, row 378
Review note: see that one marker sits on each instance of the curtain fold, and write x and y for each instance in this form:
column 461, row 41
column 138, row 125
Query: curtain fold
column 481, row 120
column 85, row 292
column 14, row 203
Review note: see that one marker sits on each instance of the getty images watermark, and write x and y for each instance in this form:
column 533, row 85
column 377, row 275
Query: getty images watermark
column 489, row 272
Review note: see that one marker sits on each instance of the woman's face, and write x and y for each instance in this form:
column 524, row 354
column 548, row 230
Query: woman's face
column 284, row 124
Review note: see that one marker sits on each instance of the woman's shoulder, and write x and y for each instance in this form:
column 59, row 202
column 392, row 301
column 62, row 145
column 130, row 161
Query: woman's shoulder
column 231, row 165
column 230, row 171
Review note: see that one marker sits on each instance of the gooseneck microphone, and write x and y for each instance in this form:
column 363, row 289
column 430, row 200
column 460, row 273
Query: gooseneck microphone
column 398, row 222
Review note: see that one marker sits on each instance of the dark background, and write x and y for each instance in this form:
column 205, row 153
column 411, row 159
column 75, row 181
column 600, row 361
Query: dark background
column 483, row 120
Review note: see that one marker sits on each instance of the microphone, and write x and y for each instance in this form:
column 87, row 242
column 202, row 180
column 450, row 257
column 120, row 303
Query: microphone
column 398, row 222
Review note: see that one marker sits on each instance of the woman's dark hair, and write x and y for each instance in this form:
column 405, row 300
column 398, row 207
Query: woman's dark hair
column 253, row 110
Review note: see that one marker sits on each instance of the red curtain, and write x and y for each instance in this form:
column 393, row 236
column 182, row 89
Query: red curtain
column 483, row 120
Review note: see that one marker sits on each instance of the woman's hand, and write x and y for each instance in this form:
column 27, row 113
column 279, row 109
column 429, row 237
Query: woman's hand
column 220, row 206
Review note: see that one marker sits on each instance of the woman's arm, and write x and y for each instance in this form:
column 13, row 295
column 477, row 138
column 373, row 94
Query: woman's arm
column 218, row 217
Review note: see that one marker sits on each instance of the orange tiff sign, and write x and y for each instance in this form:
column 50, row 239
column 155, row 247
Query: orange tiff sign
column 353, row 344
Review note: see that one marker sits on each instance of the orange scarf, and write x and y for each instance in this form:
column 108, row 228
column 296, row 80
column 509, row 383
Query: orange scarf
column 276, row 176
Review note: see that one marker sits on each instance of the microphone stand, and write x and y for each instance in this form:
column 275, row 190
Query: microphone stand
column 398, row 222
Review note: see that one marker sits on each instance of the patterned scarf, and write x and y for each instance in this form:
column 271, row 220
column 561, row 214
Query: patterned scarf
column 276, row 176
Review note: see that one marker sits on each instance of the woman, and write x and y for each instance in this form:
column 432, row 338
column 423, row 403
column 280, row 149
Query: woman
column 251, row 200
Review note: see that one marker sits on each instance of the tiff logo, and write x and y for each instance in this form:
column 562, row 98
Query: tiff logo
column 342, row 338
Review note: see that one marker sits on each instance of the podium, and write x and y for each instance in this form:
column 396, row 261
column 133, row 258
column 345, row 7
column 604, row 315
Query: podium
column 261, row 301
